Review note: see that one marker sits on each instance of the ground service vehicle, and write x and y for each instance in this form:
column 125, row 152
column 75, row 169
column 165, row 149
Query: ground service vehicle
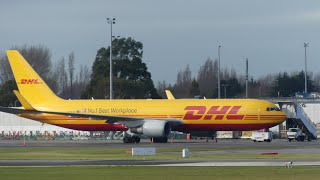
column 295, row 134
column 261, row 136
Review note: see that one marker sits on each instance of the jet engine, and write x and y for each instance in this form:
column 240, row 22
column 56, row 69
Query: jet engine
column 153, row 128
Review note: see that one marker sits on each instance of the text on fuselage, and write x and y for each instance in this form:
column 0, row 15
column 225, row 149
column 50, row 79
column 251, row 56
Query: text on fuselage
column 214, row 112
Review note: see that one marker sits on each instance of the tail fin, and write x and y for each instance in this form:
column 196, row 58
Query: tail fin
column 30, row 84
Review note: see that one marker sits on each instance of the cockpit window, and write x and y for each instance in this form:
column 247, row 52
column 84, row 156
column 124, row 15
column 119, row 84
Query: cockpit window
column 293, row 130
column 273, row 109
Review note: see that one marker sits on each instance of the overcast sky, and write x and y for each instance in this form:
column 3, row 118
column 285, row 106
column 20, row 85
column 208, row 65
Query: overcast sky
column 174, row 32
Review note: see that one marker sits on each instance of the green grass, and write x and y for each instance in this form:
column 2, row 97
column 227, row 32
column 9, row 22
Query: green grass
column 155, row 173
column 121, row 154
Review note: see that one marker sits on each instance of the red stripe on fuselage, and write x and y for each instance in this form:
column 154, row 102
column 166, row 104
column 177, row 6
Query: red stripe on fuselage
column 183, row 128
column 235, row 117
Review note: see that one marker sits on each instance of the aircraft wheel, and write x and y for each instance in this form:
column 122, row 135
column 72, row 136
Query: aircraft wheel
column 126, row 140
column 164, row 140
column 155, row 140
column 160, row 139
column 135, row 139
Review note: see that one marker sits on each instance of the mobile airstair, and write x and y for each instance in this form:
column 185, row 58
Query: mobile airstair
column 295, row 112
column 304, row 122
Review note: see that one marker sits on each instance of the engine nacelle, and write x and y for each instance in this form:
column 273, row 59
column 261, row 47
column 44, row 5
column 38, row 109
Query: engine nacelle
column 153, row 128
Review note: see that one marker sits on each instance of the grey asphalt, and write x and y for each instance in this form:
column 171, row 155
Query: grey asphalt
column 224, row 147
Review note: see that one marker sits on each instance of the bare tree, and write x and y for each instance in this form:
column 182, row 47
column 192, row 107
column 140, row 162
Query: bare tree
column 6, row 73
column 316, row 81
column 265, row 85
column 71, row 69
column 61, row 75
column 161, row 87
column 84, row 75
column 207, row 77
column 82, row 80
column 181, row 89
column 39, row 57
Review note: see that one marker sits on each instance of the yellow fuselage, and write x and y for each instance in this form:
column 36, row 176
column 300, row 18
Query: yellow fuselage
column 197, row 114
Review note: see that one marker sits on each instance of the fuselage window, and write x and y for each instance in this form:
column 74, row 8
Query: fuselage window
column 273, row 109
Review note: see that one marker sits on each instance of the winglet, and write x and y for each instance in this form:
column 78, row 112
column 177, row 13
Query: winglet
column 23, row 101
column 169, row 95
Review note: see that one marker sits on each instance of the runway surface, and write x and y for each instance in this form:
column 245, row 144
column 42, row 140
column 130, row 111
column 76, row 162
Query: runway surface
column 224, row 147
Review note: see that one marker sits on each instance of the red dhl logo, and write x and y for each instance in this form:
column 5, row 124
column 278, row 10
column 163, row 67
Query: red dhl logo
column 218, row 112
column 30, row 81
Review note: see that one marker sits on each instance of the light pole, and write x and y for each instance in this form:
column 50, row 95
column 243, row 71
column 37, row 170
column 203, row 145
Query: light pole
column 111, row 21
column 219, row 71
column 247, row 78
column 305, row 63
column 225, row 90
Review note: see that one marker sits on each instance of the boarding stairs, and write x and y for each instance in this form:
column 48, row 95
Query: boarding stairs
column 304, row 122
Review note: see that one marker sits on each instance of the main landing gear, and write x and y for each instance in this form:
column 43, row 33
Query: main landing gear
column 136, row 139
column 131, row 139
column 159, row 140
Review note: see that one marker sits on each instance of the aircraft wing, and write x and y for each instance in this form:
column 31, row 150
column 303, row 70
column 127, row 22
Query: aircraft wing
column 12, row 110
column 127, row 121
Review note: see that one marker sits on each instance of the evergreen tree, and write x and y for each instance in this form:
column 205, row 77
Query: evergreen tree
column 286, row 86
column 7, row 97
column 131, row 78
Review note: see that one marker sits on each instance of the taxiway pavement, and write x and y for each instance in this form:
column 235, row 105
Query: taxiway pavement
column 225, row 147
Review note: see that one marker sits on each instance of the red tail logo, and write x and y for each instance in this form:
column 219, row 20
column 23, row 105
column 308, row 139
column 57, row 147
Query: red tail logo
column 29, row 81
column 199, row 112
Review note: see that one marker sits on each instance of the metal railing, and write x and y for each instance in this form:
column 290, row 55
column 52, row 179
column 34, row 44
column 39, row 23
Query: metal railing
column 302, row 115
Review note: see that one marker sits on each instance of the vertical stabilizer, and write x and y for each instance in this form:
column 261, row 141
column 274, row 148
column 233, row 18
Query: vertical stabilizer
column 30, row 84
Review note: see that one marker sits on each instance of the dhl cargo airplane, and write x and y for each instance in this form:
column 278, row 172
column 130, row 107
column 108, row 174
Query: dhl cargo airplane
column 152, row 118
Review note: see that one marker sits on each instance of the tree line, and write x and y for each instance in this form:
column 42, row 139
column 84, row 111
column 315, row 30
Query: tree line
column 205, row 83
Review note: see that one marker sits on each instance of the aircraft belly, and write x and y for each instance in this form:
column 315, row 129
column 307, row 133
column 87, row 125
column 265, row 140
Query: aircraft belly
column 94, row 127
column 222, row 127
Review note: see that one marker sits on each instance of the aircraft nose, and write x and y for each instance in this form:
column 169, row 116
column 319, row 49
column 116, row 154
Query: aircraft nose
column 283, row 117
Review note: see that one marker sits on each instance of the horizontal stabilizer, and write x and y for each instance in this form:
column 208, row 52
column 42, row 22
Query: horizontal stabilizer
column 23, row 101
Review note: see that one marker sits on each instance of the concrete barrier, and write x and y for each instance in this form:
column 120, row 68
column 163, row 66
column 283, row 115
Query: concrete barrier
column 143, row 151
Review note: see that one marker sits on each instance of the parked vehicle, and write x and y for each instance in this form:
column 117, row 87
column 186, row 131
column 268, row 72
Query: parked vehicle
column 295, row 134
column 261, row 136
